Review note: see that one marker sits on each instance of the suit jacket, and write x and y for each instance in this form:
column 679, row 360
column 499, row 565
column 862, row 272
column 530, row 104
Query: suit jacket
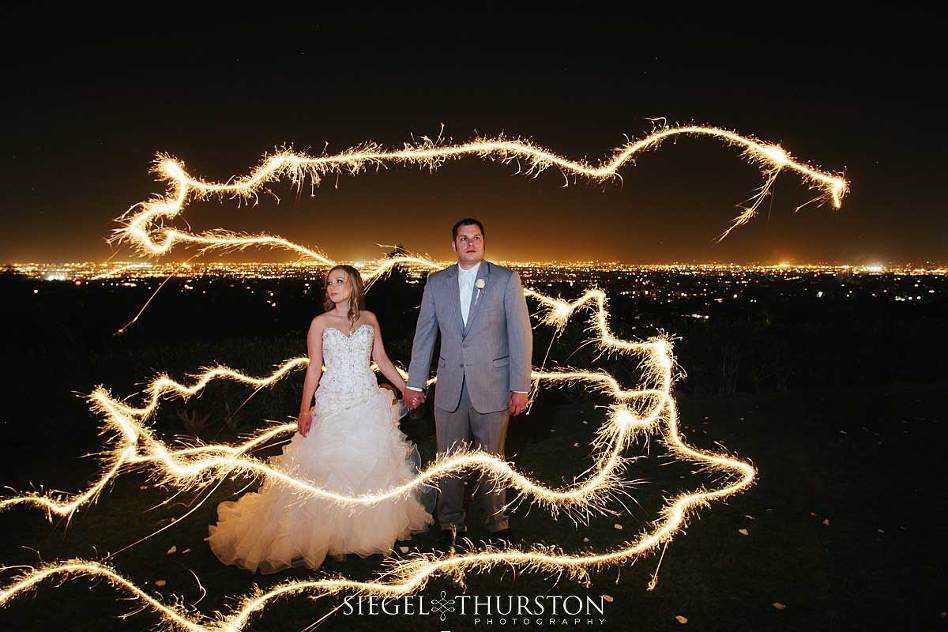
column 493, row 352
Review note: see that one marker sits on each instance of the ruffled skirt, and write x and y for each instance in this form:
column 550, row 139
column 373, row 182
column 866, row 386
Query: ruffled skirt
column 353, row 451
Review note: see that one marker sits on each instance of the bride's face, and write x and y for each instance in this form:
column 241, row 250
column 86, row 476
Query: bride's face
column 338, row 286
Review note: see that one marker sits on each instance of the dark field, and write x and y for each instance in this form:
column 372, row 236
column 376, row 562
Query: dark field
column 829, row 385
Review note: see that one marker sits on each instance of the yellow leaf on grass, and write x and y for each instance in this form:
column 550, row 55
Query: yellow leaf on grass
column 743, row 531
column 680, row 619
column 608, row 598
column 160, row 583
column 779, row 606
column 617, row 526
column 173, row 549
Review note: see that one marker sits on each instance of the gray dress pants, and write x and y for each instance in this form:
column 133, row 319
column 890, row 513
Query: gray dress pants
column 465, row 428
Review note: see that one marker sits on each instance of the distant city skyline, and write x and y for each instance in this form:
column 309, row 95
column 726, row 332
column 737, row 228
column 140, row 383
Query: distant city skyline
column 149, row 270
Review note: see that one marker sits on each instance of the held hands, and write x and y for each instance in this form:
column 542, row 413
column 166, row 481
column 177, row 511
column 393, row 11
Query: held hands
column 518, row 403
column 414, row 399
column 304, row 422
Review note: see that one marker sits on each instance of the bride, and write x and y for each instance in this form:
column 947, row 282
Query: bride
column 350, row 445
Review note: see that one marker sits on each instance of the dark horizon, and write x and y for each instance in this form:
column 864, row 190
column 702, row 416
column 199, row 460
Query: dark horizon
column 850, row 91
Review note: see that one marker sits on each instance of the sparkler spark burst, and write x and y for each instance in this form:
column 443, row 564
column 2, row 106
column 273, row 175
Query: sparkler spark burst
column 633, row 413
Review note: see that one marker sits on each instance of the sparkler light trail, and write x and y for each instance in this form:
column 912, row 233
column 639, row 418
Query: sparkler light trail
column 633, row 413
column 187, row 466
column 143, row 225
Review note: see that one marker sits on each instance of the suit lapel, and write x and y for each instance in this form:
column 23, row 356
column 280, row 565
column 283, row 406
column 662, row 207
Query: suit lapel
column 482, row 274
column 455, row 293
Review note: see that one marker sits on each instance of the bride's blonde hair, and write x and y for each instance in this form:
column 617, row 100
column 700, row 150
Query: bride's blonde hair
column 356, row 299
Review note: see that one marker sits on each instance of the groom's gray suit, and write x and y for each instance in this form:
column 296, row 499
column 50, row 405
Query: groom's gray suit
column 479, row 365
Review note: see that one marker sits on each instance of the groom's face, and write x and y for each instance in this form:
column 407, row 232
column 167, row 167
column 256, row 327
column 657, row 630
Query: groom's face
column 468, row 245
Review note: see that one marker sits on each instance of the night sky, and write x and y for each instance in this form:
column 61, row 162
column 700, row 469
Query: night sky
column 90, row 97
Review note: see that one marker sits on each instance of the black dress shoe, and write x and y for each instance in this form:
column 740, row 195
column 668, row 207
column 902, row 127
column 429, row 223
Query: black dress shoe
column 502, row 538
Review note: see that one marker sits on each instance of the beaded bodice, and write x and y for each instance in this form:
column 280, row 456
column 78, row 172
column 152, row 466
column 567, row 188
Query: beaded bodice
column 348, row 378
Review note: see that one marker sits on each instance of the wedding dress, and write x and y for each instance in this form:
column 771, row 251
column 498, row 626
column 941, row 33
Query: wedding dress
column 354, row 447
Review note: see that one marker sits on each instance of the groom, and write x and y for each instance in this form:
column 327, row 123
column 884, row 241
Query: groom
column 483, row 369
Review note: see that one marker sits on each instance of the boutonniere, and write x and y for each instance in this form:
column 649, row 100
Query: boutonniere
column 480, row 285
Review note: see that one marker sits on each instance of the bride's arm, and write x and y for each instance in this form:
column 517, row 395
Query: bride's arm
column 381, row 358
column 314, row 349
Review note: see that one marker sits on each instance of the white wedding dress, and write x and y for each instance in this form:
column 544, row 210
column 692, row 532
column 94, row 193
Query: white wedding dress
column 354, row 447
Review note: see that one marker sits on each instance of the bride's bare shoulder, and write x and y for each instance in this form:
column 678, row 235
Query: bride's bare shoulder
column 370, row 318
column 319, row 322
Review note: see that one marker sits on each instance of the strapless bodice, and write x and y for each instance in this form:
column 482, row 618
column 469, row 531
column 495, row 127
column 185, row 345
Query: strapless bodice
column 348, row 378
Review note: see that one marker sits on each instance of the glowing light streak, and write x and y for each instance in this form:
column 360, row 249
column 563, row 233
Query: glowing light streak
column 143, row 223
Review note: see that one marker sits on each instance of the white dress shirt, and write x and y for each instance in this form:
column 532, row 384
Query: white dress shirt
column 466, row 279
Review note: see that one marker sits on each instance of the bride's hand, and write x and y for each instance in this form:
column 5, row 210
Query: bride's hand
column 303, row 423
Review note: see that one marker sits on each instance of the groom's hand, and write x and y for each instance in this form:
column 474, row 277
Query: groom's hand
column 518, row 402
column 415, row 398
